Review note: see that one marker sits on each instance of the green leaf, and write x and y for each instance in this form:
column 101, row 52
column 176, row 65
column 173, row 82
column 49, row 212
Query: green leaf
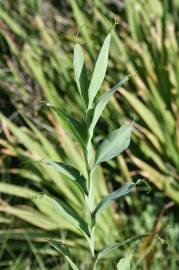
column 125, row 263
column 77, row 129
column 115, row 143
column 71, row 172
column 80, row 72
column 99, row 71
column 113, row 246
column 102, row 103
column 120, row 192
column 69, row 213
column 61, row 248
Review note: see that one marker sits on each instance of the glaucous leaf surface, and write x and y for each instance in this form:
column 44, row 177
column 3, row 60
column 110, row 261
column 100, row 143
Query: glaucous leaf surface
column 99, row 70
column 102, row 103
column 80, row 72
column 114, row 144
column 113, row 246
column 122, row 191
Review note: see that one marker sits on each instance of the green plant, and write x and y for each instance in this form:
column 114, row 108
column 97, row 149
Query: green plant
column 148, row 44
column 113, row 145
column 36, row 64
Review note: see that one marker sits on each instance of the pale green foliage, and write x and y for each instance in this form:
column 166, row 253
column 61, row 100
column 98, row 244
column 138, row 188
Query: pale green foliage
column 153, row 49
column 102, row 103
column 80, row 72
column 114, row 144
column 122, row 191
column 99, row 71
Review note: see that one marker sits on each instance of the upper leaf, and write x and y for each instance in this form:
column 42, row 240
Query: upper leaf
column 80, row 72
column 69, row 171
column 60, row 247
column 120, row 192
column 99, row 70
column 102, row 103
column 115, row 143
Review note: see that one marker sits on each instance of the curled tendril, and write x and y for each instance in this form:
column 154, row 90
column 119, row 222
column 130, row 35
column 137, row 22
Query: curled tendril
column 148, row 187
column 112, row 25
column 162, row 240
column 44, row 103
column 41, row 103
column 116, row 22
column 39, row 195
column 75, row 38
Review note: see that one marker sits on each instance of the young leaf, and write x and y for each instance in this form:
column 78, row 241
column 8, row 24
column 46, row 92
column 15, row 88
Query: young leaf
column 102, row 103
column 69, row 171
column 115, row 143
column 60, row 247
column 120, row 192
column 77, row 129
column 80, row 72
column 99, row 71
column 125, row 263
column 68, row 213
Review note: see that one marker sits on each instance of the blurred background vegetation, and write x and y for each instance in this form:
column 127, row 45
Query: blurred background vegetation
column 36, row 50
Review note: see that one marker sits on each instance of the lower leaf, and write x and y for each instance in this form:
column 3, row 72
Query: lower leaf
column 61, row 248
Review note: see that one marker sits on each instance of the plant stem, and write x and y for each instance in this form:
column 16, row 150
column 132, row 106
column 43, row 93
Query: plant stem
column 90, row 202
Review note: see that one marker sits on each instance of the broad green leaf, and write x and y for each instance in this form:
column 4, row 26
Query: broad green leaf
column 77, row 129
column 70, row 214
column 69, row 171
column 115, row 143
column 60, row 247
column 80, row 72
column 99, row 71
column 102, row 103
column 125, row 263
column 120, row 192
